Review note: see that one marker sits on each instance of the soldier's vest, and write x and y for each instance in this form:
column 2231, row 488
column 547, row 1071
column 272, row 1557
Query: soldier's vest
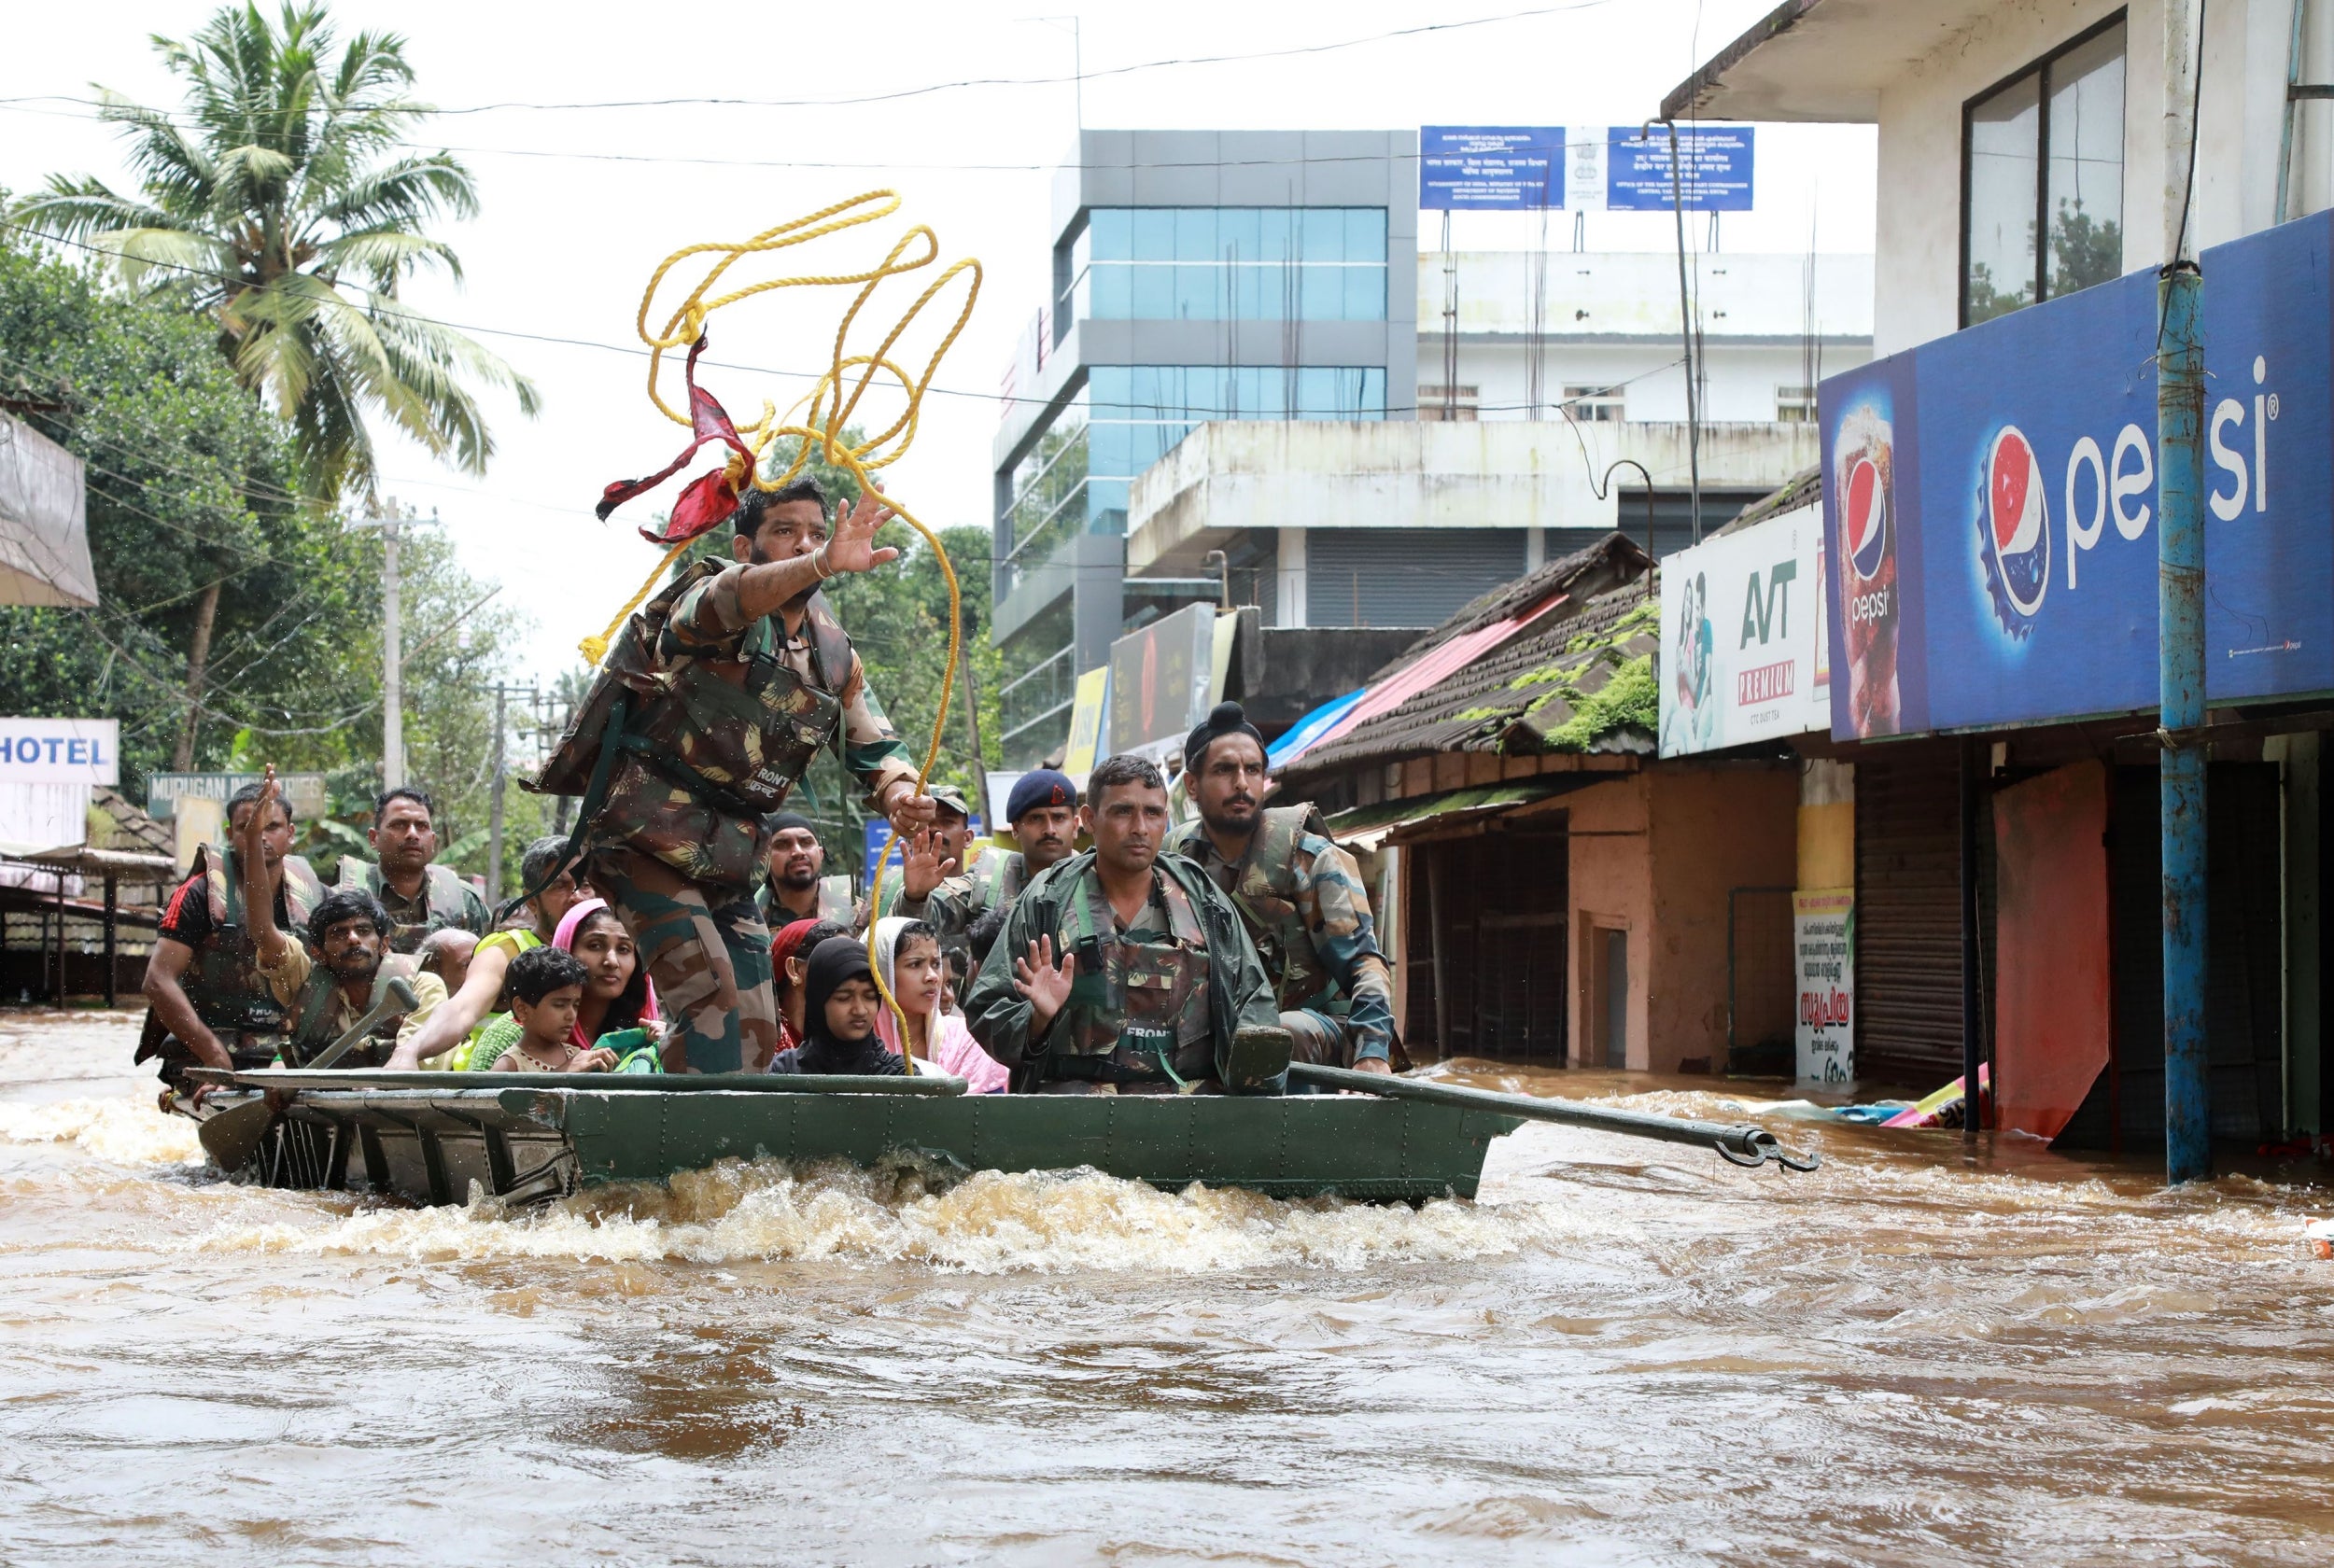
column 312, row 1029
column 224, row 982
column 1266, row 897
column 998, row 877
column 448, row 899
column 701, row 753
column 1139, row 1009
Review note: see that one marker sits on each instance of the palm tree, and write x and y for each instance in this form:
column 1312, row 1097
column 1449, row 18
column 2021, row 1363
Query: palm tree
column 277, row 201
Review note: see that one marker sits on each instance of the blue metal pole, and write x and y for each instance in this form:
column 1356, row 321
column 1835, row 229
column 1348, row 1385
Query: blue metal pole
column 2180, row 630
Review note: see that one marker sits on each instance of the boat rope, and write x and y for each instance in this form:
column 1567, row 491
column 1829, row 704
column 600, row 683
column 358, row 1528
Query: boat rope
column 825, row 410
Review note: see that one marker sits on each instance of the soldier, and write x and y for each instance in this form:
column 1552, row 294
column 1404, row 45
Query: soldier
column 1299, row 894
column 1157, row 989
column 326, row 996
column 1042, row 812
column 792, row 887
column 421, row 897
column 207, row 1003
column 930, row 864
column 711, row 704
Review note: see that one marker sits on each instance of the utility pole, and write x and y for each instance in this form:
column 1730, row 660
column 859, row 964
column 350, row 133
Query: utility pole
column 392, row 660
column 2179, row 623
column 971, row 722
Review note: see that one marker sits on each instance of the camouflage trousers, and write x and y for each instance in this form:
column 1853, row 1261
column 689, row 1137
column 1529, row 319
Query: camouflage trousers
column 1318, row 1038
column 708, row 951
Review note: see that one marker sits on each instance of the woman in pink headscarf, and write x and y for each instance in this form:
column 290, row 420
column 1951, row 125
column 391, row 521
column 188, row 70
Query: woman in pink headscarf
column 908, row 954
column 618, row 994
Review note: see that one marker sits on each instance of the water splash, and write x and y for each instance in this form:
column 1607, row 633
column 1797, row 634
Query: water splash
column 122, row 1131
column 992, row 1222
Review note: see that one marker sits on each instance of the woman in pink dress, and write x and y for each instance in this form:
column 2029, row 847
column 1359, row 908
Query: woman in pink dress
column 908, row 954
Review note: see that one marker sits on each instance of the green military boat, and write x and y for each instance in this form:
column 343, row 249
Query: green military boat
column 428, row 1137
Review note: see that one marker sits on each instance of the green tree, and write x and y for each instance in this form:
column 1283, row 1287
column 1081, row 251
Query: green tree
column 274, row 202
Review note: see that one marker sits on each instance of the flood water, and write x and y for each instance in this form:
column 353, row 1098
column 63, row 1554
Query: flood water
column 1624, row 1352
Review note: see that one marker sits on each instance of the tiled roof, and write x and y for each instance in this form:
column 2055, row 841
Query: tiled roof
column 1551, row 688
column 1804, row 488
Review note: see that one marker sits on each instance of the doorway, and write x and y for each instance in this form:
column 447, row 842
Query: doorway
column 1605, row 994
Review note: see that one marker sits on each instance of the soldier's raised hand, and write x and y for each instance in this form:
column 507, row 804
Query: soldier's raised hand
column 1045, row 984
column 853, row 548
column 923, row 867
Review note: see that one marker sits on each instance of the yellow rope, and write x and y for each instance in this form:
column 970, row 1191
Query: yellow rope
column 821, row 429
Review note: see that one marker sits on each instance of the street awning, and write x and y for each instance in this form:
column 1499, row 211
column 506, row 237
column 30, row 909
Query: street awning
column 44, row 522
column 1364, row 828
column 1821, row 60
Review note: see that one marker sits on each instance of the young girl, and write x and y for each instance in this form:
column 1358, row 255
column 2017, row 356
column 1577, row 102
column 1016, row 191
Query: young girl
column 547, row 990
column 909, row 951
column 617, row 993
column 839, row 1008
column 790, row 958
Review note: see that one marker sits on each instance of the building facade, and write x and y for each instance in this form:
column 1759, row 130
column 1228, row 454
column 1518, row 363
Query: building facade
column 1197, row 275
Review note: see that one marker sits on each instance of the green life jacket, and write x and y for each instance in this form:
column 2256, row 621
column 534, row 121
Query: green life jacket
column 1265, row 893
column 449, row 900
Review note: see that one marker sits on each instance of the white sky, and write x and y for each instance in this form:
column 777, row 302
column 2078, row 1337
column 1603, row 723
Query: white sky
column 567, row 240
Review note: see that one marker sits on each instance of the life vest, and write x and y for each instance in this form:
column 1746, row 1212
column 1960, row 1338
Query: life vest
column 311, row 1028
column 684, row 764
column 224, row 982
column 1265, row 893
column 449, row 900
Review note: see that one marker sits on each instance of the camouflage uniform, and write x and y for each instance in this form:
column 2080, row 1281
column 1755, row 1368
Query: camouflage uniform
column 1302, row 899
column 1153, row 1005
column 833, row 903
column 223, row 982
column 997, row 876
column 310, row 995
column 720, row 716
column 446, row 902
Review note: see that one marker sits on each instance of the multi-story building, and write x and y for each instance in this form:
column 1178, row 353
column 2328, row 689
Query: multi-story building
column 1539, row 372
column 1198, row 275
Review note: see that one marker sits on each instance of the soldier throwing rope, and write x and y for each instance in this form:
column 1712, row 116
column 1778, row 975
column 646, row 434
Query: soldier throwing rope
column 713, row 702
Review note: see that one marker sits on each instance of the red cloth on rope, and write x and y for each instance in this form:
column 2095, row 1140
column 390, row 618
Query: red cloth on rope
column 708, row 500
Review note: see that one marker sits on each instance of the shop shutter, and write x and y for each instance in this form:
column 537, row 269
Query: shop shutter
column 1908, row 917
column 1403, row 577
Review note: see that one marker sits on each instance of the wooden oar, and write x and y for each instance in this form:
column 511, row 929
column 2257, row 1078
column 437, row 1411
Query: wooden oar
column 1740, row 1143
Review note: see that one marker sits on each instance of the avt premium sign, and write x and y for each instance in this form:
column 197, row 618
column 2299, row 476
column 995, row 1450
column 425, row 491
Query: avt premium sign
column 1742, row 638
column 1990, row 501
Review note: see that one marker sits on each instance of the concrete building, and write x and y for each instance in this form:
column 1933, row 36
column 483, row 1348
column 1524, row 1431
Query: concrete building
column 2023, row 161
column 1538, row 372
column 1198, row 275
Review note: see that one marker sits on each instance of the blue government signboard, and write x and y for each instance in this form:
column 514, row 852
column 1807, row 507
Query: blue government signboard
column 1714, row 175
column 1492, row 167
column 1989, row 504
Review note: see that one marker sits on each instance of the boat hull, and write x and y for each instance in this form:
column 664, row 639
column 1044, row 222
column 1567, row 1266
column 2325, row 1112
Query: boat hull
column 525, row 1143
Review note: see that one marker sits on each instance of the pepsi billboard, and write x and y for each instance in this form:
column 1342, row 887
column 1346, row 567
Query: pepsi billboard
column 1989, row 500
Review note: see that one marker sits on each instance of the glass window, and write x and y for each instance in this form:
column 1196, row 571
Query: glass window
column 1365, row 234
column 1365, row 293
column 1113, row 292
column 1112, row 231
column 1237, row 233
column 1195, row 233
column 1153, row 293
column 2043, row 180
column 1154, row 233
column 1324, row 233
column 2087, row 164
column 1273, row 234
column 1196, row 293
column 1324, row 293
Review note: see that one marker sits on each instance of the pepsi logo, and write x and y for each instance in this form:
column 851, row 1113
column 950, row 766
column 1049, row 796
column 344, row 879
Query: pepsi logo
column 1867, row 518
column 2017, row 528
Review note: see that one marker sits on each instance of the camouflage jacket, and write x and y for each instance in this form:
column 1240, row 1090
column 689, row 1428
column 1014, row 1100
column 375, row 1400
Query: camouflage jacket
column 1223, row 988
column 996, row 878
column 724, row 716
column 835, row 902
column 446, row 901
column 1302, row 900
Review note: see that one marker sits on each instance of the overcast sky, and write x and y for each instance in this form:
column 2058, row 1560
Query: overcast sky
column 580, row 203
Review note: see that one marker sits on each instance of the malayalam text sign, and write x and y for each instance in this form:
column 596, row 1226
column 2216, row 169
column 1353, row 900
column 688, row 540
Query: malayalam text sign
column 1824, row 942
column 1500, row 168
column 1989, row 500
column 1743, row 638
column 60, row 751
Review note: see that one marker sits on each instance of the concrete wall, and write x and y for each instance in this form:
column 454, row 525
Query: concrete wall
column 2241, row 118
column 1229, row 476
column 1594, row 295
column 1738, row 381
column 1656, row 853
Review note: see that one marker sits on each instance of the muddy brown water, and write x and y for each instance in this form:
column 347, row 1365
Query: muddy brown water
column 1624, row 1352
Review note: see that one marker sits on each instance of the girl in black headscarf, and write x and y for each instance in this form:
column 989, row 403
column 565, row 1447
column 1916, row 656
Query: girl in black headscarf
column 838, row 1015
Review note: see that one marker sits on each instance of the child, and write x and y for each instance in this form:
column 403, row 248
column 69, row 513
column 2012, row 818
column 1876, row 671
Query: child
column 839, row 1008
column 909, row 951
column 547, row 993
